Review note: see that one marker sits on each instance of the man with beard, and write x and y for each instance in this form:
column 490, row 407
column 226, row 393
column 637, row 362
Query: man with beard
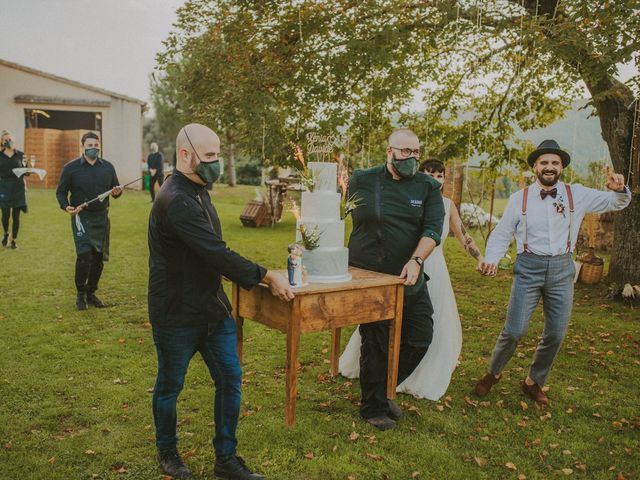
column 545, row 219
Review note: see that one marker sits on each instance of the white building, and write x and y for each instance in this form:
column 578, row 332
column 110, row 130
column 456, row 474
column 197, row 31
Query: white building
column 47, row 115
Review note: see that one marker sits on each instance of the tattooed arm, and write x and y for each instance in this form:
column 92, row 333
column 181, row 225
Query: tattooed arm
column 456, row 226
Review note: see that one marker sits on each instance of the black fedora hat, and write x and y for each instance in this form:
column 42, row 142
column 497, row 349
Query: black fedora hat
column 549, row 146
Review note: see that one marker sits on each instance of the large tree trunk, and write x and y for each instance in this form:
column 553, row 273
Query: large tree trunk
column 613, row 100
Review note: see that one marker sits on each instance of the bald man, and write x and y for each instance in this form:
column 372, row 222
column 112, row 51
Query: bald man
column 396, row 226
column 188, row 309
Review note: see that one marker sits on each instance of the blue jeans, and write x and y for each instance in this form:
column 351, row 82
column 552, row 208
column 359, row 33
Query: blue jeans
column 536, row 277
column 175, row 346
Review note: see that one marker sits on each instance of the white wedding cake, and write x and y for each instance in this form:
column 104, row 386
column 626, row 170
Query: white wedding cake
column 320, row 211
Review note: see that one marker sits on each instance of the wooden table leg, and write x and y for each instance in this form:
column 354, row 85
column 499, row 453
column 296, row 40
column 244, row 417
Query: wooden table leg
column 395, row 332
column 293, row 346
column 235, row 305
column 335, row 350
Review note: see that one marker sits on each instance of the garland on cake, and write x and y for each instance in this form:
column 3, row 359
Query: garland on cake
column 308, row 178
column 310, row 240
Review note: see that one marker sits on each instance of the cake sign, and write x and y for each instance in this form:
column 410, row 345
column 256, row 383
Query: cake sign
column 321, row 144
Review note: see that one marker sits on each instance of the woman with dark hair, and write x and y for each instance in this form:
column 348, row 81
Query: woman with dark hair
column 13, row 197
column 432, row 376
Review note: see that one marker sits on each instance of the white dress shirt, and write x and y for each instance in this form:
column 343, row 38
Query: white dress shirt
column 547, row 225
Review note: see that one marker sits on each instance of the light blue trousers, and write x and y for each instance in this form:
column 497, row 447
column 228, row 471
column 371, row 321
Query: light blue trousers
column 535, row 277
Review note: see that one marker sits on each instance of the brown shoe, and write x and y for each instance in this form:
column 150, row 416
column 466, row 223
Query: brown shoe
column 535, row 392
column 484, row 384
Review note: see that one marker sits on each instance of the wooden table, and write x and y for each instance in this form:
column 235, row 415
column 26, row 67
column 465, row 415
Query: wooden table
column 368, row 297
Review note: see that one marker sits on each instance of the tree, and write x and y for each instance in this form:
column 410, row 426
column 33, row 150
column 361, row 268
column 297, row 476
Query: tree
column 483, row 70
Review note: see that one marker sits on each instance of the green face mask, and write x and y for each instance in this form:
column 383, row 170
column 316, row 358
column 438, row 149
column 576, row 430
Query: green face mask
column 91, row 152
column 209, row 172
column 407, row 167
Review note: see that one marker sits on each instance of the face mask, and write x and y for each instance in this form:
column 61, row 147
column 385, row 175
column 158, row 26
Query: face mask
column 91, row 152
column 209, row 172
column 7, row 144
column 407, row 167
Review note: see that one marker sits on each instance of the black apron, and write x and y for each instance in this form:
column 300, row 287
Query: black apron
column 95, row 236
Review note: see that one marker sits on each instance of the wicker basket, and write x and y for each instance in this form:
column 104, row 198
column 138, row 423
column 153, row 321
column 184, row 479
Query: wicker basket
column 590, row 273
column 592, row 268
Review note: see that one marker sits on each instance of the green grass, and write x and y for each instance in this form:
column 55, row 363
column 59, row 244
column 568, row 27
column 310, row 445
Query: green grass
column 74, row 386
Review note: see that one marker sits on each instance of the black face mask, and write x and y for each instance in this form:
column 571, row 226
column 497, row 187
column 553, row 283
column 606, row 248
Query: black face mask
column 7, row 144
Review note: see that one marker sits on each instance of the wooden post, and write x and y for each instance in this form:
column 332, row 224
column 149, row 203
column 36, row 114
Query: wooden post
column 293, row 346
column 235, row 305
column 335, row 350
column 395, row 332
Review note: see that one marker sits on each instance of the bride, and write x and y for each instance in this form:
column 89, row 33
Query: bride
column 431, row 377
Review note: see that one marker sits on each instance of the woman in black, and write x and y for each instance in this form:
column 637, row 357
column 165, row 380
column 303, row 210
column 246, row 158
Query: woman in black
column 13, row 199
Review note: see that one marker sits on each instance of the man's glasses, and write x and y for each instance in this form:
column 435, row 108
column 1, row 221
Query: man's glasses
column 407, row 151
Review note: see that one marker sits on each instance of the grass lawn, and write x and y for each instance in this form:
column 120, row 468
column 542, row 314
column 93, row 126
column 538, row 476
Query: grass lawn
column 75, row 399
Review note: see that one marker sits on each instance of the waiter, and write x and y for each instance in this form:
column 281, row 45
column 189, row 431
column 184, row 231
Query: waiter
column 85, row 178
column 13, row 198
column 396, row 226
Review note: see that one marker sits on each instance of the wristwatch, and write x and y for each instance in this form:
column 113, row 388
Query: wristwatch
column 418, row 260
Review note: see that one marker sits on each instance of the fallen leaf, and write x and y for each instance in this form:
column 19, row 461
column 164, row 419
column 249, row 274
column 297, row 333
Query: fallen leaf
column 52, row 460
column 415, row 474
column 480, row 461
column 524, row 405
column 353, row 436
column 511, row 466
column 521, row 476
column 374, row 456
column 567, row 471
column 309, row 456
column 89, row 452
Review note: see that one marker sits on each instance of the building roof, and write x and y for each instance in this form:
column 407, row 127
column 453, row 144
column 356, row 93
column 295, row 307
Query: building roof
column 71, row 82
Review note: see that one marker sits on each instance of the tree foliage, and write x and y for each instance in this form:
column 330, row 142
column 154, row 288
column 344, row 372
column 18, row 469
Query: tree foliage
column 466, row 75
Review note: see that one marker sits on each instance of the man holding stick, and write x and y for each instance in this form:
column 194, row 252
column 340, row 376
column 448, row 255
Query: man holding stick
column 82, row 180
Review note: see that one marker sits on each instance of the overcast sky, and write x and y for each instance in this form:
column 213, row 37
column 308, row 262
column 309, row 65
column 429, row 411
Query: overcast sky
column 106, row 43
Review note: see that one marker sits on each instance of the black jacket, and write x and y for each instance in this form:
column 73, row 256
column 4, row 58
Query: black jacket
column 187, row 258
column 85, row 182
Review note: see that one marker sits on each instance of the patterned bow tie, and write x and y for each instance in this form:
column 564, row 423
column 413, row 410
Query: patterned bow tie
column 552, row 193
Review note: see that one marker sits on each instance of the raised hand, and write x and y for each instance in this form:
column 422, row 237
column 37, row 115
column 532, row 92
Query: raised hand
column 615, row 181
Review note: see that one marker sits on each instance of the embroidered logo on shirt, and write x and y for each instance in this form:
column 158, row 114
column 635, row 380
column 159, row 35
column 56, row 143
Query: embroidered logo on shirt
column 416, row 203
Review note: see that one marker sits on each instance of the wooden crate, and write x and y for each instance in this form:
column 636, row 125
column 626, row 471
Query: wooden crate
column 255, row 214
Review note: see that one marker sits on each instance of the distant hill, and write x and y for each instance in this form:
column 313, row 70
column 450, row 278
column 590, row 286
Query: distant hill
column 577, row 133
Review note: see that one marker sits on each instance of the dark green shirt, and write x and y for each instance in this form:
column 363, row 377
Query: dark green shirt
column 392, row 217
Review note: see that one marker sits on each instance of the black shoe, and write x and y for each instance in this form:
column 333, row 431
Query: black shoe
column 95, row 301
column 13, row 245
column 5, row 239
column 234, row 468
column 81, row 301
column 172, row 464
column 381, row 423
column 395, row 412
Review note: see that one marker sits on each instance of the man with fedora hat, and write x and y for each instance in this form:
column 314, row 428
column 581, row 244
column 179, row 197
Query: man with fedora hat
column 545, row 219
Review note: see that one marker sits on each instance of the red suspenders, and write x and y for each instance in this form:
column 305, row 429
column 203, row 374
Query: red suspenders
column 525, row 193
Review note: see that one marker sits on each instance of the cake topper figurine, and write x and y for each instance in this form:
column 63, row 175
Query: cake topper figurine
column 294, row 265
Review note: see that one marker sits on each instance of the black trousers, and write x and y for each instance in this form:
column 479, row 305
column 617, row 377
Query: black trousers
column 417, row 332
column 158, row 177
column 14, row 213
column 89, row 267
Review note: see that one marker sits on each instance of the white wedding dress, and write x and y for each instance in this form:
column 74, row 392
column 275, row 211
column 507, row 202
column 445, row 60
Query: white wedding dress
column 431, row 377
